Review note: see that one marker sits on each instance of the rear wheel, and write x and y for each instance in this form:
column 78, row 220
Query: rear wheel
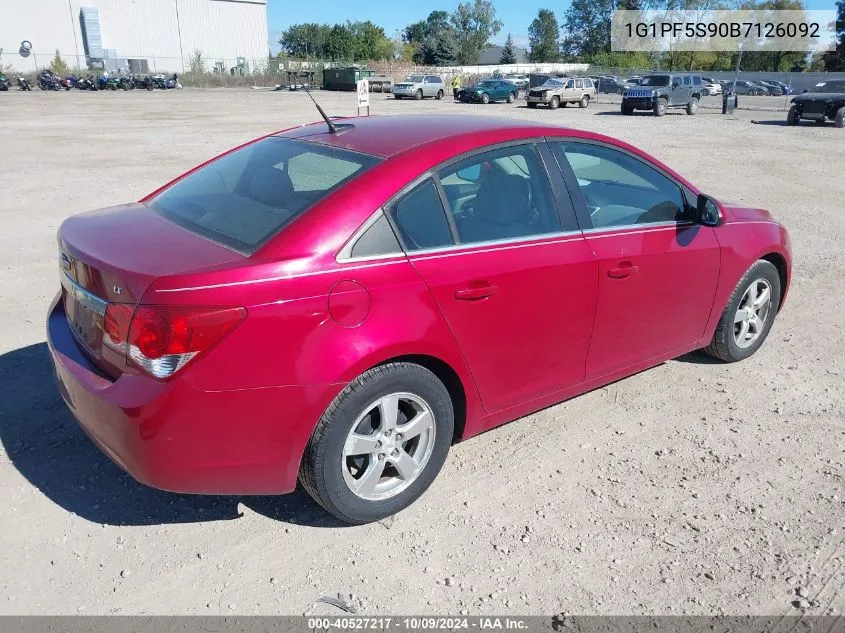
column 839, row 119
column 511, row 97
column 554, row 103
column 660, row 107
column 380, row 443
column 584, row 102
column 439, row 95
column 792, row 117
column 692, row 106
column 749, row 314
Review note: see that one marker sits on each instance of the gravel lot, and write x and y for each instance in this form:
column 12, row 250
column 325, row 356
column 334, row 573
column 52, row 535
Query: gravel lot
column 694, row 487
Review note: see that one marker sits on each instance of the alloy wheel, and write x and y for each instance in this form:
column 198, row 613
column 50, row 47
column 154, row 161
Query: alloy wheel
column 388, row 446
column 752, row 312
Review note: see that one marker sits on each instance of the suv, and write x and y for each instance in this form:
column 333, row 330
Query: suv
column 824, row 101
column 659, row 92
column 557, row 92
column 419, row 86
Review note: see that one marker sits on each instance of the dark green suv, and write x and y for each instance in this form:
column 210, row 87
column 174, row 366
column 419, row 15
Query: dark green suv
column 659, row 92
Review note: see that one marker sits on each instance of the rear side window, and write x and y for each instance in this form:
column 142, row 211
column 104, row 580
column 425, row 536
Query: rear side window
column 244, row 198
column 696, row 81
column 420, row 218
column 687, row 81
column 377, row 240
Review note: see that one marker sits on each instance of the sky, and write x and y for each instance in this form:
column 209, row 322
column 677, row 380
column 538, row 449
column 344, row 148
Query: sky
column 394, row 15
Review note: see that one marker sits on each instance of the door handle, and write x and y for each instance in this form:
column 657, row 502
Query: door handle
column 625, row 269
column 475, row 293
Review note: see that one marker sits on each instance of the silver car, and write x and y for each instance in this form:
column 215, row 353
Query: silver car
column 419, row 86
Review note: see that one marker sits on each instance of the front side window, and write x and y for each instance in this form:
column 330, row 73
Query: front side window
column 244, row 198
column 570, row 85
column 620, row 190
column 500, row 194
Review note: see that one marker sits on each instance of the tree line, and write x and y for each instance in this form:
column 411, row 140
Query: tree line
column 582, row 34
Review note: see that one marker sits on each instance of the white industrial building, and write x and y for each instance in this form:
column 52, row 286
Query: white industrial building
column 143, row 35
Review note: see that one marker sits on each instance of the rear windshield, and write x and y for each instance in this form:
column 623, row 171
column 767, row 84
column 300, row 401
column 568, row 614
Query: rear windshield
column 242, row 199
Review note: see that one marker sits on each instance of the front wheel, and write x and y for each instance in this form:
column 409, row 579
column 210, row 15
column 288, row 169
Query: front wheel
column 554, row 103
column 380, row 443
column 839, row 119
column 660, row 107
column 419, row 95
column 627, row 110
column 485, row 98
column 532, row 104
column 692, row 106
column 792, row 117
column 749, row 314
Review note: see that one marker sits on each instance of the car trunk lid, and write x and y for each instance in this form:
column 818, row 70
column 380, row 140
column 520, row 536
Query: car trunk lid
column 112, row 256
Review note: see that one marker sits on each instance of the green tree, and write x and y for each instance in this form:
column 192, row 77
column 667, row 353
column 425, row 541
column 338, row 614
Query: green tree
column 433, row 40
column 586, row 27
column 340, row 45
column 543, row 38
column 58, row 65
column 304, row 41
column 475, row 23
column 835, row 60
column 508, row 55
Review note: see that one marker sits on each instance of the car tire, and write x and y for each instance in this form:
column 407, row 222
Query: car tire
column 397, row 97
column 792, row 117
column 326, row 471
column 419, row 95
column 660, row 107
column 731, row 342
column 627, row 110
column 439, row 95
column 839, row 119
column 554, row 103
column 584, row 102
column 511, row 97
column 532, row 104
column 692, row 106
column 485, row 98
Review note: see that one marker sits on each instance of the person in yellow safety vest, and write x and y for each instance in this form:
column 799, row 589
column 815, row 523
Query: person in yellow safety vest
column 456, row 85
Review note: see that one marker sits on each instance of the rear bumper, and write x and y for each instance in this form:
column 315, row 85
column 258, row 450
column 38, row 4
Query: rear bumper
column 174, row 436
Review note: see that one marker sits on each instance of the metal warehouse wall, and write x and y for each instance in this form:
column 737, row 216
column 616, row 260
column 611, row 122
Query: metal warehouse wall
column 165, row 32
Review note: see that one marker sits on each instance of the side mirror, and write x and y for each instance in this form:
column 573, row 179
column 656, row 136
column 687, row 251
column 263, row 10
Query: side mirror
column 470, row 174
column 707, row 211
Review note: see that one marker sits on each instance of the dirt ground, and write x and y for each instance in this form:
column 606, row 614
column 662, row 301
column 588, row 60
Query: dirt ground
column 695, row 487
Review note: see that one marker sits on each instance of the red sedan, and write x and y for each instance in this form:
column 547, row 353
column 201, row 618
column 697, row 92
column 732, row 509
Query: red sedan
column 339, row 306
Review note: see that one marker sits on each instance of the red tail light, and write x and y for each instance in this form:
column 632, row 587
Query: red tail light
column 162, row 340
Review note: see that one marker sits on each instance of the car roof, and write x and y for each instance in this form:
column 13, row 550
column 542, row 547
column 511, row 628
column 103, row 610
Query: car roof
column 387, row 136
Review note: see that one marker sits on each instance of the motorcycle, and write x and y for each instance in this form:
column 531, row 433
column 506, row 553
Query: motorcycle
column 4, row 83
column 47, row 80
column 23, row 84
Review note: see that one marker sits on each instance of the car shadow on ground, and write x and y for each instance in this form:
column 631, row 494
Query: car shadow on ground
column 45, row 444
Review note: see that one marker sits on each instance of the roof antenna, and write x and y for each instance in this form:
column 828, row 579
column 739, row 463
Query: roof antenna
column 333, row 129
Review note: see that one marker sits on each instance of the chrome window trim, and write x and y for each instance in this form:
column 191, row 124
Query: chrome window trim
column 528, row 240
column 86, row 298
column 623, row 228
column 345, row 254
